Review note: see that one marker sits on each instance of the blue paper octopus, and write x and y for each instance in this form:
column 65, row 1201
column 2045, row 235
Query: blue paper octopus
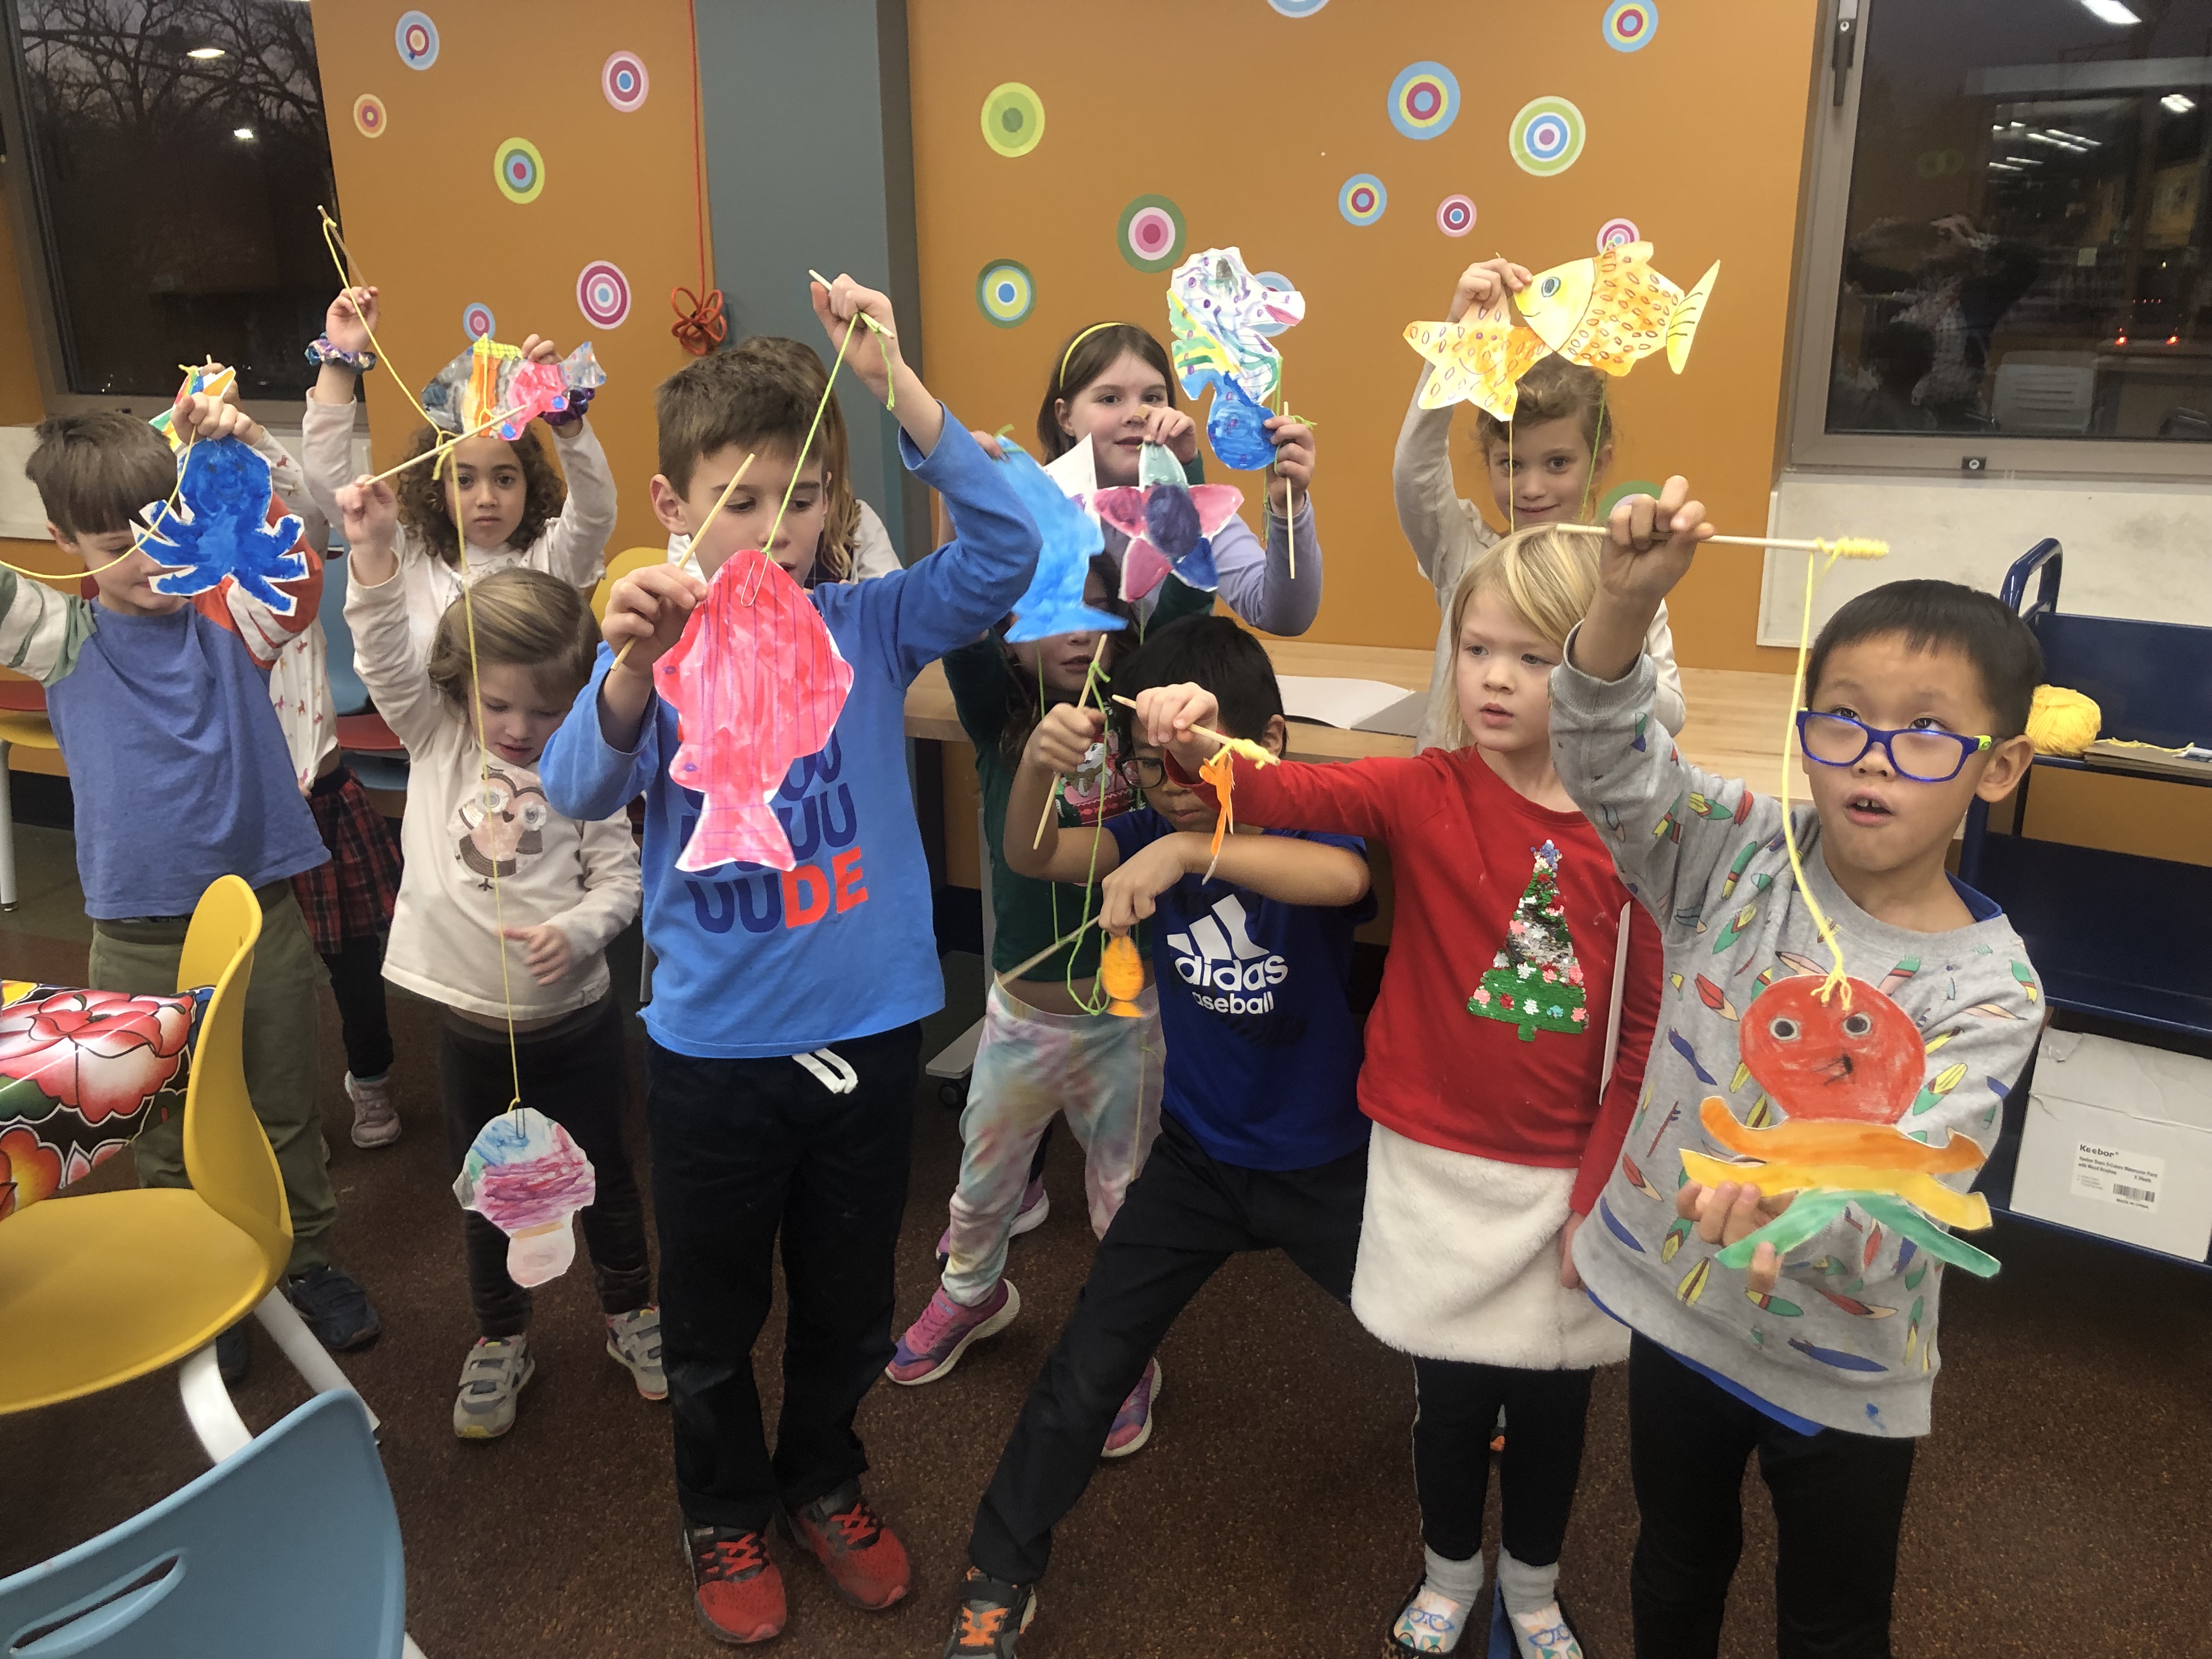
column 219, row 527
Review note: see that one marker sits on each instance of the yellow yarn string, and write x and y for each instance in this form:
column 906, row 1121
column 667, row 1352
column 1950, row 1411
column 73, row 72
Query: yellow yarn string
column 138, row 538
column 828, row 389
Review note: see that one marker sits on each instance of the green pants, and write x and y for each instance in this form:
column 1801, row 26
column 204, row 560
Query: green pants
column 283, row 1064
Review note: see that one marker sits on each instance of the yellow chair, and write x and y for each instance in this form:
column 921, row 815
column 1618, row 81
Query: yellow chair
column 19, row 729
column 98, row 1289
column 620, row 565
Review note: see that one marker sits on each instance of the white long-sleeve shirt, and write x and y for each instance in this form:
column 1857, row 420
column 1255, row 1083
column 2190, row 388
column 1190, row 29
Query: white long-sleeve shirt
column 1446, row 532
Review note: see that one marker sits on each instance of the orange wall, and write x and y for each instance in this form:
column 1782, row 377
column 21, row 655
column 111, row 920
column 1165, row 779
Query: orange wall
column 1250, row 123
column 427, row 223
column 20, row 400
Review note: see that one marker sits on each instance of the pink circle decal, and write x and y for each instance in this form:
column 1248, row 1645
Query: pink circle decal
column 1456, row 215
column 624, row 80
column 1617, row 232
column 603, row 294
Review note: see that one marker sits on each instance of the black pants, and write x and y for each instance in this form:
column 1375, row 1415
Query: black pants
column 1838, row 1507
column 1542, row 1460
column 741, row 1149
column 357, row 981
column 1184, row 1216
column 575, row 1073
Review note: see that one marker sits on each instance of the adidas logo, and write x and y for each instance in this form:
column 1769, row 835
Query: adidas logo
column 1227, row 972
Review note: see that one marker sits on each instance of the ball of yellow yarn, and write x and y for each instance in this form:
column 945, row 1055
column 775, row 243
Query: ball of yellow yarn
column 2062, row 722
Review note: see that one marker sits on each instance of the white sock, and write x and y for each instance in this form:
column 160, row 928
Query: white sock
column 1437, row 1617
column 1531, row 1597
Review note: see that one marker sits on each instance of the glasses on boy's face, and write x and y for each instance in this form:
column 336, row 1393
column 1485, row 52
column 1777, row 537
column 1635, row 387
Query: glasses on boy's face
column 1922, row 754
column 1142, row 771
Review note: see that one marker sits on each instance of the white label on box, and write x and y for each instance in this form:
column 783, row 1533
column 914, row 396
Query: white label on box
column 2131, row 1179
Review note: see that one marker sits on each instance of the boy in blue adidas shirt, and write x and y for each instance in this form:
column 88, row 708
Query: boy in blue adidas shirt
column 1261, row 1142
column 783, row 1046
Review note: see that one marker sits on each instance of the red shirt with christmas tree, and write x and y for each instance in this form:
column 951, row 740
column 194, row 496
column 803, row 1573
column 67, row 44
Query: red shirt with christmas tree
column 1489, row 1035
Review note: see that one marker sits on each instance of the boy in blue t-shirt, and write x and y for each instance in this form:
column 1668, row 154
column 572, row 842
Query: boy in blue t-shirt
column 1262, row 1143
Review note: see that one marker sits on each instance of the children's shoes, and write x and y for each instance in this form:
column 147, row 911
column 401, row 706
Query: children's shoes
column 933, row 1345
column 491, row 1378
column 992, row 1616
column 634, row 1339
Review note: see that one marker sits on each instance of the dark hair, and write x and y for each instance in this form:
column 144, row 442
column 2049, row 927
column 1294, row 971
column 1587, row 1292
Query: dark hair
column 524, row 618
column 1212, row 651
column 426, row 498
column 1084, row 356
column 96, row 473
column 754, row 395
column 1023, row 709
column 1554, row 390
column 1933, row 615
column 841, row 516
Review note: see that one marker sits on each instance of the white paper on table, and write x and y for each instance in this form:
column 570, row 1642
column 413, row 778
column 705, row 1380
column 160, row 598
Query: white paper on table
column 1339, row 703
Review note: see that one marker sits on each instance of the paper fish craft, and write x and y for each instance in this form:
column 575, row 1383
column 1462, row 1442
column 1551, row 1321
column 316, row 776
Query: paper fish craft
column 220, row 526
column 492, row 378
column 1053, row 603
column 1847, row 1074
column 526, row 1175
column 1221, row 319
column 1170, row 523
column 757, row 683
column 1609, row 312
column 206, row 378
column 1122, row 971
column 1478, row 360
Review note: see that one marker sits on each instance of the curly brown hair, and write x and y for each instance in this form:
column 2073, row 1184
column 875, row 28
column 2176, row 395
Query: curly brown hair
column 423, row 499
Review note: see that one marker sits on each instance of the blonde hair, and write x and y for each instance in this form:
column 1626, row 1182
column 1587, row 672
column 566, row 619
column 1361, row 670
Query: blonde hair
column 1545, row 575
column 524, row 618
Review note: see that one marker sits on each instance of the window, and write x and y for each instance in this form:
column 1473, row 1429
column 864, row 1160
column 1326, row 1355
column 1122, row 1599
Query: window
column 2007, row 240
column 176, row 153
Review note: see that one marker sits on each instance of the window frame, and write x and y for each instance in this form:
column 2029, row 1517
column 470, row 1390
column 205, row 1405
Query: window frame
column 1832, row 135
column 32, row 227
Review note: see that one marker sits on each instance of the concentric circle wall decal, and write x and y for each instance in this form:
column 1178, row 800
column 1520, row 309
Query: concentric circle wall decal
column 1151, row 232
column 1005, row 291
column 1617, row 232
column 520, row 169
column 624, row 80
column 369, row 117
column 1424, row 100
column 1362, row 199
column 1618, row 493
column 1456, row 215
column 1014, row 119
column 477, row 321
column 603, row 294
column 1546, row 136
column 1629, row 24
column 416, row 38
column 1297, row 8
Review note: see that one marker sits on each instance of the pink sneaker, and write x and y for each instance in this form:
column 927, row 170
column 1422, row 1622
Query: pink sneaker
column 1037, row 1205
column 1132, row 1424
column 933, row 1345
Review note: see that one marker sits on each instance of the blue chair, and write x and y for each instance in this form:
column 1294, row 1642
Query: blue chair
column 288, row 1547
column 378, row 758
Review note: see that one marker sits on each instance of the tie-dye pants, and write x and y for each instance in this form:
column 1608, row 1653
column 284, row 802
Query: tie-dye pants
column 1101, row 1070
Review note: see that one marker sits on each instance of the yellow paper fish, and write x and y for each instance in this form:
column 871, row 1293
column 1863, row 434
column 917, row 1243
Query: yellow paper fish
column 1609, row 312
column 1479, row 361
column 1121, row 970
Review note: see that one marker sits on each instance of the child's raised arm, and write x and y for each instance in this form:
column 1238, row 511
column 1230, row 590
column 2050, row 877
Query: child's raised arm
column 326, row 426
column 873, row 353
column 385, row 653
column 1060, row 745
column 576, row 537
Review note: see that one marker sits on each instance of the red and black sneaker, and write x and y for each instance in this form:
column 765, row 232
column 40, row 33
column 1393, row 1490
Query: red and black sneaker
column 863, row 1557
column 992, row 1616
column 735, row 1589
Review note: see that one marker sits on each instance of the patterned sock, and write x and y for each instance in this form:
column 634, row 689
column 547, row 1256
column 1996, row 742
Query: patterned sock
column 1532, row 1605
column 1436, row 1618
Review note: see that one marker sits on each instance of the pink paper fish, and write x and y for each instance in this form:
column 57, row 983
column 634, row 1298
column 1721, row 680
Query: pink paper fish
column 534, row 389
column 756, row 683
column 1170, row 523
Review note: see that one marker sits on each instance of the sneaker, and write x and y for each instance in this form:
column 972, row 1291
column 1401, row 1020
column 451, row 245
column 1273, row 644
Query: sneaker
column 337, row 1309
column 863, row 1557
column 992, row 1614
column 233, row 1355
column 736, row 1590
column 634, row 1340
column 1036, row 1207
column 933, row 1345
column 1132, row 1424
column 375, row 1114
column 491, row 1376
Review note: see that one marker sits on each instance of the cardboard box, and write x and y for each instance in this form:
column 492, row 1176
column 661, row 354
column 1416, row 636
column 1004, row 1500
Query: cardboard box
column 2119, row 1141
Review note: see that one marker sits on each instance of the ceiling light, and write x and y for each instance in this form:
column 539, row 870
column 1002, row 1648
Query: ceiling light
column 2003, row 167
column 244, row 134
column 205, row 54
column 2076, row 137
column 2112, row 12
column 2179, row 103
column 2043, row 138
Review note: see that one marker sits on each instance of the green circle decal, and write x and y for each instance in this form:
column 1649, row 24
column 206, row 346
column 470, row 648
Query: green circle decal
column 1005, row 291
column 1621, row 492
column 1014, row 119
column 1151, row 232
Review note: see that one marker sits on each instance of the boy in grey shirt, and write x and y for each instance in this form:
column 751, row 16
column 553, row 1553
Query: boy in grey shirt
column 1823, row 1360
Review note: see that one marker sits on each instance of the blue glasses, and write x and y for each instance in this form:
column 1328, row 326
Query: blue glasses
column 1922, row 754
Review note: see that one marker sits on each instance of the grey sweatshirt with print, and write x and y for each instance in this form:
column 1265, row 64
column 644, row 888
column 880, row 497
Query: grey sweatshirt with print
column 1848, row 1337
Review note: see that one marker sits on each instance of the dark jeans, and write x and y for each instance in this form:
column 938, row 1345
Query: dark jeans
column 741, row 1149
column 1543, row 1456
column 1838, row 1507
column 575, row 1073
column 1184, row 1216
column 357, row 981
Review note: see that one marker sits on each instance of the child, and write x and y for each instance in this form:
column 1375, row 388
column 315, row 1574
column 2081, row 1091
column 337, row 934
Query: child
column 181, row 775
column 1545, row 465
column 1918, row 693
column 856, row 546
column 1048, row 1045
column 505, row 912
column 517, row 509
column 1487, row 1056
column 1260, row 1145
column 1112, row 385
column 759, row 1125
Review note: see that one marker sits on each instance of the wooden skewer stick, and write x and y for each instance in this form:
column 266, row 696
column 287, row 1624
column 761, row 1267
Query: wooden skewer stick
column 1052, row 795
column 1196, row 730
column 874, row 327
column 1848, row 546
column 1021, row 968
column 436, row 450
column 736, row 478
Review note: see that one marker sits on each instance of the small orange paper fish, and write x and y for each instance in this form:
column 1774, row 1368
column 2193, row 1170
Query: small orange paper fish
column 1479, row 360
column 1606, row 313
column 1121, row 970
